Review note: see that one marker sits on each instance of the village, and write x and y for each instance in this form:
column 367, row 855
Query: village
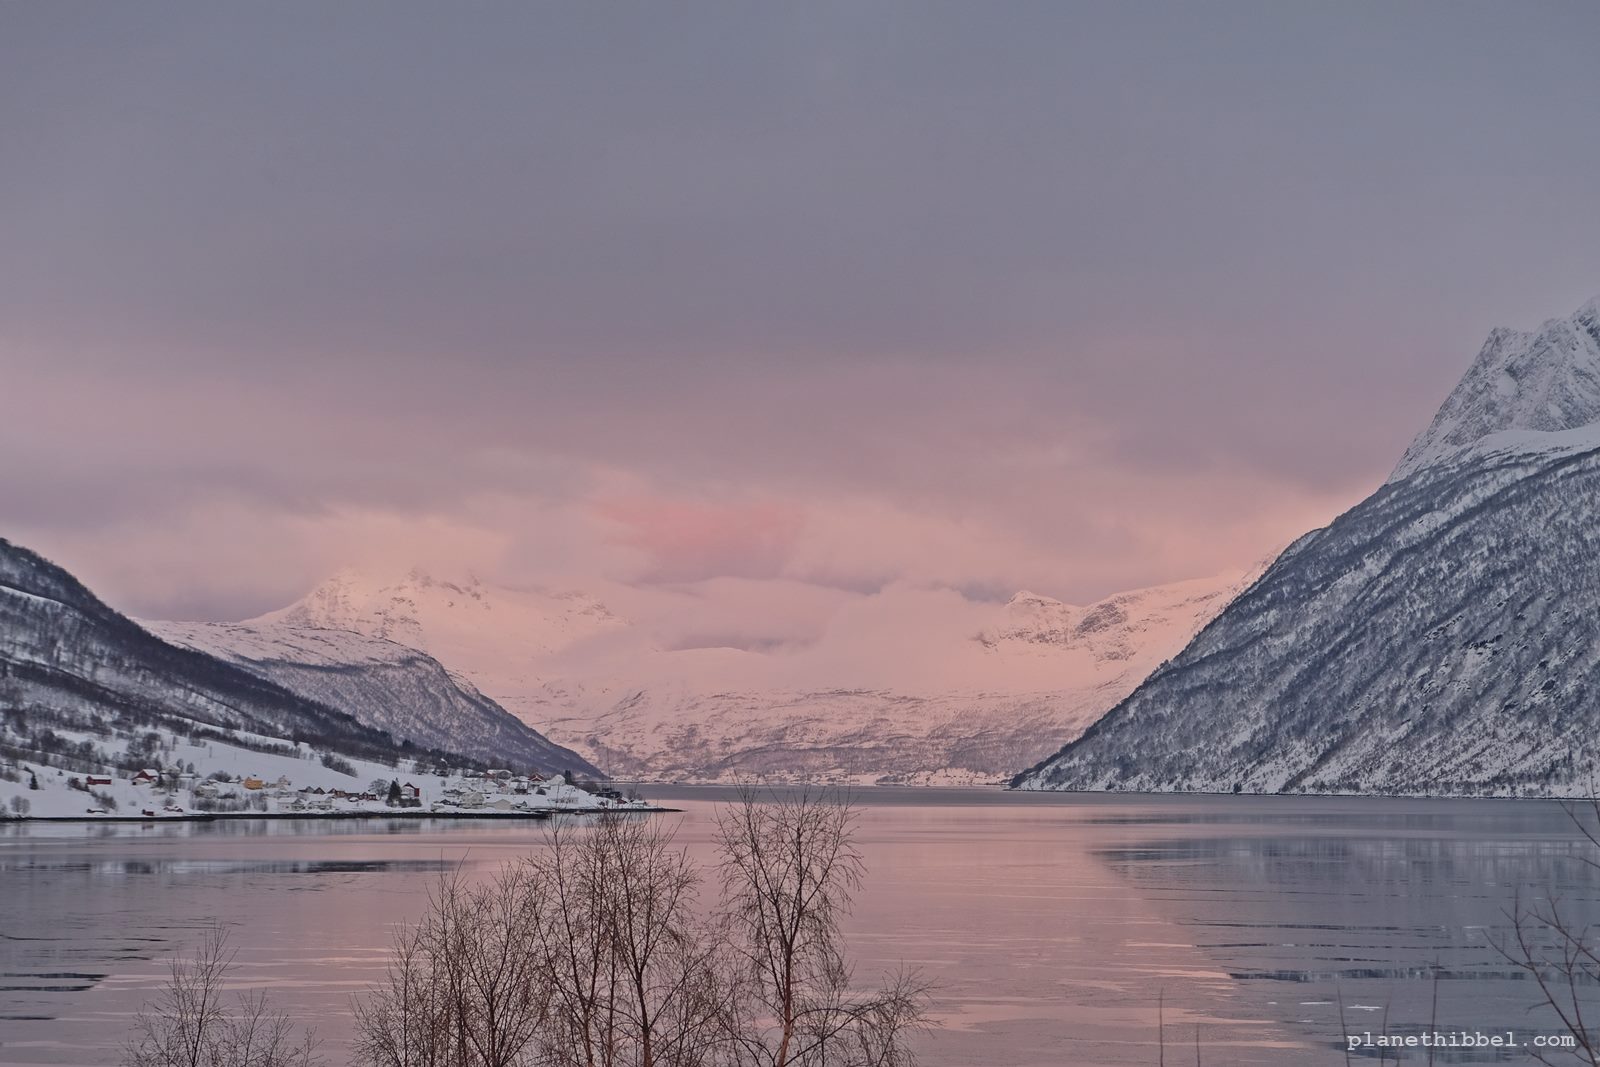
column 471, row 792
column 195, row 780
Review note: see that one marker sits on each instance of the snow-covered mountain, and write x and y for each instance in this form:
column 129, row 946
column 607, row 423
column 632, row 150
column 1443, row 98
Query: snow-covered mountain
column 461, row 619
column 71, row 665
column 383, row 683
column 1441, row 636
column 1030, row 672
column 1522, row 389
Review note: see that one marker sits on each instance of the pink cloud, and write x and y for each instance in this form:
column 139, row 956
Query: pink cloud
column 689, row 540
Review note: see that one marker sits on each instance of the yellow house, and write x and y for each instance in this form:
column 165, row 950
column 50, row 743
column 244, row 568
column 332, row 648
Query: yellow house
column 253, row 783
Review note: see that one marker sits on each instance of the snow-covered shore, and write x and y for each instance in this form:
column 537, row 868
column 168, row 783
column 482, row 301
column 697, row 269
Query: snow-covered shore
column 266, row 778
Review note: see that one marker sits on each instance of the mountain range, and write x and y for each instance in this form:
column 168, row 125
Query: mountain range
column 1442, row 636
column 75, row 673
column 1034, row 670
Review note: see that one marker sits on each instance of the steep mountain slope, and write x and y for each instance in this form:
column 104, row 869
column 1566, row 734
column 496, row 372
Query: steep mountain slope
column 1521, row 386
column 1033, row 671
column 1441, row 636
column 67, row 660
column 461, row 623
column 382, row 683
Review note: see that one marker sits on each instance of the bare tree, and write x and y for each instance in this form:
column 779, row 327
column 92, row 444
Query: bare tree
column 630, row 967
column 461, row 988
column 1562, row 958
column 597, row 952
column 587, row 955
column 789, row 872
column 190, row 1024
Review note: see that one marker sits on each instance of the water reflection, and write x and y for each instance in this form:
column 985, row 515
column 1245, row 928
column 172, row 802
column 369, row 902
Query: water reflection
column 1051, row 924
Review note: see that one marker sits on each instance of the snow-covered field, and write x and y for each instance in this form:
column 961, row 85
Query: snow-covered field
column 228, row 780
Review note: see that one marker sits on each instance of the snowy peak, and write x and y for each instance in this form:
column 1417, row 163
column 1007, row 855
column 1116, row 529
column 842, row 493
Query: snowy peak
column 74, row 663
column 383, row 684
column 1521, row 387
column 426, row 612
column 1156, row 620
column 1032, row 617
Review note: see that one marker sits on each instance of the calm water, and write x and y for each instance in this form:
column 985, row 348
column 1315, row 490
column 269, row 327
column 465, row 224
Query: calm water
column 1052, row 925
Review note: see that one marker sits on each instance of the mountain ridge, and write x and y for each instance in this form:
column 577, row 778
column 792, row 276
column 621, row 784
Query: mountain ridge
column 69, row 659
column 1535, row 382
column 642, row 707
column 390, row 685
column 1438, row 637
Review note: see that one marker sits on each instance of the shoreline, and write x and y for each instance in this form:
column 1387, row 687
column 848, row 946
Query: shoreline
column 216, row 816
column 1002, row 789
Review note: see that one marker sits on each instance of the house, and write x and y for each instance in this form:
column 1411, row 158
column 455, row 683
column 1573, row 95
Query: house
column 253, row 782
column 472, row 800
column 93, row 781
column 144, row 777
column 410, row 792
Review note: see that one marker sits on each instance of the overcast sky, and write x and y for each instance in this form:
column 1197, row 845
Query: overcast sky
column 1071, row 297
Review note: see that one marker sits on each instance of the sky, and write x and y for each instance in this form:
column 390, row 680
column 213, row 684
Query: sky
column 822, row 300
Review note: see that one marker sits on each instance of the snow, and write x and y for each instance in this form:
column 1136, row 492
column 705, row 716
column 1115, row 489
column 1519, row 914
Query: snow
column 1522, row 390
column 321, row 647
column 459, row 622
column 382, row 683
column 55, row 799
column 1440, row 637
column 906, row 686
